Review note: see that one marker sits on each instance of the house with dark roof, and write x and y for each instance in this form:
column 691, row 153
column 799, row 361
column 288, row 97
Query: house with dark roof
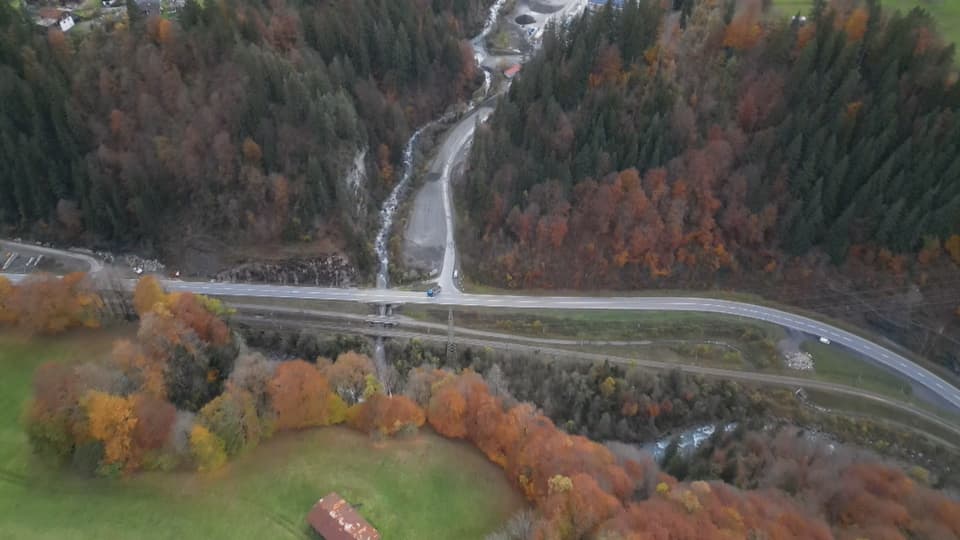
column 334, row 519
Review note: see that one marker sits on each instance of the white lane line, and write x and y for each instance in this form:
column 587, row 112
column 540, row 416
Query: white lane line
column 567, row 302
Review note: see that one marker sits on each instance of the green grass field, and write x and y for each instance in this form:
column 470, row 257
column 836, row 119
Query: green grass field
column 422, row 488
column 880, row 412
column 945, row 12
column 678, row 330
column 834, row 364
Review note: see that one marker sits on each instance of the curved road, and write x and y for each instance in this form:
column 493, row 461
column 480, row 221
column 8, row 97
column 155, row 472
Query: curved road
column 92, row 262
column 878, row 353
column 454, row 148
column 896, row 362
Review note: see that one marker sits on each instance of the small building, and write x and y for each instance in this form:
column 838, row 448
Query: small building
column 334, row 519
column 512, row 71
column 65, row 22
column 52, row 17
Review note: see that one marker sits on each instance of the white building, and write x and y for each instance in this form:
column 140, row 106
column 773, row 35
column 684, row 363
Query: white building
column 50, row 17
column 65, row 22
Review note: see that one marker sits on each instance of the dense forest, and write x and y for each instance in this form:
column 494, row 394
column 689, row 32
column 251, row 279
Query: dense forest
column 721, row 145
column 237, row 122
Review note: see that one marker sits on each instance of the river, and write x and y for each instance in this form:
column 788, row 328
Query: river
column 563, row 9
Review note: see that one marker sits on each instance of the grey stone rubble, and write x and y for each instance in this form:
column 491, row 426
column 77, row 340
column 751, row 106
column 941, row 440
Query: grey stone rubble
column 138, row 264
column 329, row 271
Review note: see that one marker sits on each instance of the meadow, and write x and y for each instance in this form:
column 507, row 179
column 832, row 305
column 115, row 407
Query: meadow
column 945, row 12
column 423, row 487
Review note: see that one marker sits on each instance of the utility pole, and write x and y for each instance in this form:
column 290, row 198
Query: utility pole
column 451, row 346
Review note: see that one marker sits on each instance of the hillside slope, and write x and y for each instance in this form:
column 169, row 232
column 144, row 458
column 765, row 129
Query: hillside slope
column 719, row 146
column 238, row 122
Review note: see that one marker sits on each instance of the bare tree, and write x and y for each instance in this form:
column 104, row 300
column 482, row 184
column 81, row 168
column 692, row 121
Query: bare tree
column 519, row 527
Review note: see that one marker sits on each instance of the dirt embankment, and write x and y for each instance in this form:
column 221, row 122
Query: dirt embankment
column 320, row 261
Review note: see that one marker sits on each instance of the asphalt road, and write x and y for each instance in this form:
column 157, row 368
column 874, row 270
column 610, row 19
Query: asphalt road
column 429, row 239
column 454, row 148
column 896, row 362
column 878, row 353
column 92, row 262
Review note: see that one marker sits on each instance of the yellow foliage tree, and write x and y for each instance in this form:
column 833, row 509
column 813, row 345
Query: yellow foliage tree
column 952, row 246
column 207, row 449
column 336, row 409
column 147, row 295
column 111, row 420
column 7, row 315
column 608, row 387
column 559, row 484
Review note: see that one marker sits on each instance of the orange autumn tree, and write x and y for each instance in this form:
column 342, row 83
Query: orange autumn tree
column 744, row 31
column 111, row 420
column 525, row 443
column 7, row 316
column 386, row 415
column 155, row 419
column 698, row 510
column 583, row 491
column 54, row 418
column 181, row 357
column 856, row 25
column 574, row 508
column 302, row 398
column 203, row 314
column 447, row 412
column 952, row 245
column 46, row 304
column 200, row 314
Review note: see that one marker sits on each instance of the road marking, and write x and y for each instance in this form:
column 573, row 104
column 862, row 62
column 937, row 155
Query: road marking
column 864, row 346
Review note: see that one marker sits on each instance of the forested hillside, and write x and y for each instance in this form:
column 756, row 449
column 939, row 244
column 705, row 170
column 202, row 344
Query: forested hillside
column 239, row 121
column 720, row 145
